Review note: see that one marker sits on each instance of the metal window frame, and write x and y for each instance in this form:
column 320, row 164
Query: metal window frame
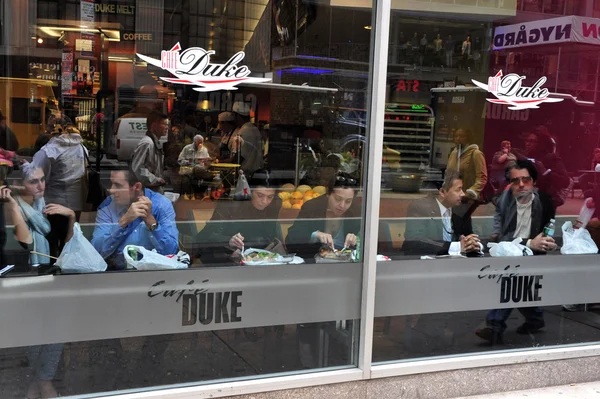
column 366, row 370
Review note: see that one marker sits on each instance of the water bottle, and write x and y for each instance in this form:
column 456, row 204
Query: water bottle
column 549, row 229
column 357, row 250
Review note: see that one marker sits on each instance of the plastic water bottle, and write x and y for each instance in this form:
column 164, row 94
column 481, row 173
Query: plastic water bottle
column 357, row 250
column 549, row 229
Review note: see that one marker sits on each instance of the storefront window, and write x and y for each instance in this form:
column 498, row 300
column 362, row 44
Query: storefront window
column 183, row 191
column 489, row 172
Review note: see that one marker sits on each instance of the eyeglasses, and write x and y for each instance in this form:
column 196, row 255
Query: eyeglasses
column 524, row 179
column 345, row 179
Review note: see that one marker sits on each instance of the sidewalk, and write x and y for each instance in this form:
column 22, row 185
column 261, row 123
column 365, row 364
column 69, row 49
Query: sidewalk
column 573, row 391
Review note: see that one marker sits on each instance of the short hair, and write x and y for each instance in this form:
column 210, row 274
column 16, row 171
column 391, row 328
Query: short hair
column 129, row 176
column 153, row 117
column 27, row 169
column 449, row 179
column 343, row 180
column 262, row 178
column 199, row 137
column 468, row 133
column 546, row 143
column 519, row 165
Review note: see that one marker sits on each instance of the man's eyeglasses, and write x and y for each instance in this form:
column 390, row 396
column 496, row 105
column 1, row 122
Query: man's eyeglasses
column 524, row 179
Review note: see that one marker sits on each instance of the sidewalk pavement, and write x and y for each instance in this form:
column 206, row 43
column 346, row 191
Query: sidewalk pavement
column 572, row 391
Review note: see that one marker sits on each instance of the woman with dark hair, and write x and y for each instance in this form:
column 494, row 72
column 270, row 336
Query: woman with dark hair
column 552, row 174
column 243, row 224
column 331, row 220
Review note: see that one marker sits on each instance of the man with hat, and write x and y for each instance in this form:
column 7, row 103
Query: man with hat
column 251, row 155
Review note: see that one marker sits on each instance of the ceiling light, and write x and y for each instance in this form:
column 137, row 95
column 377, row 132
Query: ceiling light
column 368, row 27
column 40, row 40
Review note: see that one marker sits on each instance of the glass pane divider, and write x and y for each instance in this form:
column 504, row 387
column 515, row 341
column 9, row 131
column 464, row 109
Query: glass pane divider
column 376, row 105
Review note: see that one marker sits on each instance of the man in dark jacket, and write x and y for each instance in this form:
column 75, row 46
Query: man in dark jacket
column 433, row 229
column 522, row 212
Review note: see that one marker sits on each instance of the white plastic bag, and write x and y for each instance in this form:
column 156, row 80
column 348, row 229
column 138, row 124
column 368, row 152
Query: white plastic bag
column 509, row 248
column 577, row 241
column 80, row 256
column 242, row 189
column 150, row 260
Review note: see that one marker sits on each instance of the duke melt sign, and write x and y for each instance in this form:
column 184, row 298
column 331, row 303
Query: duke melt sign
column 509, row 90
column 194, row 67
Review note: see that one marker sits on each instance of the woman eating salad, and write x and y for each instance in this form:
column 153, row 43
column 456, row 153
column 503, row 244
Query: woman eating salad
column 238, row 225
column 327, row 223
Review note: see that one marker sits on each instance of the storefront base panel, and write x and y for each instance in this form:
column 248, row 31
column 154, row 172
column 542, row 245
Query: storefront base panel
column 467, row 381
column 455, row 383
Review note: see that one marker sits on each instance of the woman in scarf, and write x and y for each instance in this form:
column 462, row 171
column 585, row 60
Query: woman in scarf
column 29, row 215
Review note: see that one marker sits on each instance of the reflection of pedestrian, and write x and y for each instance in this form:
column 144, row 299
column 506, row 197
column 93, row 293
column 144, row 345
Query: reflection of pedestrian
column 147, row 161
column 63, row 163
column 469, row 161
column 422, row 48
column 466, row 52
column 502, row 159
column 552, row 174
column 251, row 154
column 438, row 45
column 449, row 49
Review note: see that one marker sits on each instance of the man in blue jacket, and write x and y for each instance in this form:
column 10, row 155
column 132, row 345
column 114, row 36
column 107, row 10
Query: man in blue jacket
column 133, row 215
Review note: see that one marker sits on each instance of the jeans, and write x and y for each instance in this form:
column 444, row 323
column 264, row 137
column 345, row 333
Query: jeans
column 449, row 55
column 496, row 318
column 44, row 359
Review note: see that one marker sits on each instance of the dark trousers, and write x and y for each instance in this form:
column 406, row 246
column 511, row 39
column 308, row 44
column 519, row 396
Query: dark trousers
column 496, row 319
column 59, row 228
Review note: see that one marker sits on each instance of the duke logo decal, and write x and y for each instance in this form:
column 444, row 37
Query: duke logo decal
column 508, row 89
column 193, row 67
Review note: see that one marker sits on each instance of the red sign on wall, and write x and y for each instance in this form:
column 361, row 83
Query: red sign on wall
column 408, row 85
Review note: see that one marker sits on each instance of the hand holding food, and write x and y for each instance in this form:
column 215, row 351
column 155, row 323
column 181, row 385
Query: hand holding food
column 350, row 240
column 325, row 239
column 237, row 241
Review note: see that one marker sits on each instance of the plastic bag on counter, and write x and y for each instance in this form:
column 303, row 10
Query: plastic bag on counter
column 141, row 258
column 509, row 248
column 80, row 256
column 577, row 241
column 242, row 188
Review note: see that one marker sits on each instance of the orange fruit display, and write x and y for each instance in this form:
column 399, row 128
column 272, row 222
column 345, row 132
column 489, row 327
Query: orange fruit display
column 297, row 205
column 286, row 205
column 296, row 198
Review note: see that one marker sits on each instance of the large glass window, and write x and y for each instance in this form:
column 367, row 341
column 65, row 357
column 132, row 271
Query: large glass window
column 489, row 174
column 182, row 196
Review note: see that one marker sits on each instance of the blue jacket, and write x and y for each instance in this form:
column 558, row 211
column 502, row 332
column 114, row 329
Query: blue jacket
column 109, row 238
